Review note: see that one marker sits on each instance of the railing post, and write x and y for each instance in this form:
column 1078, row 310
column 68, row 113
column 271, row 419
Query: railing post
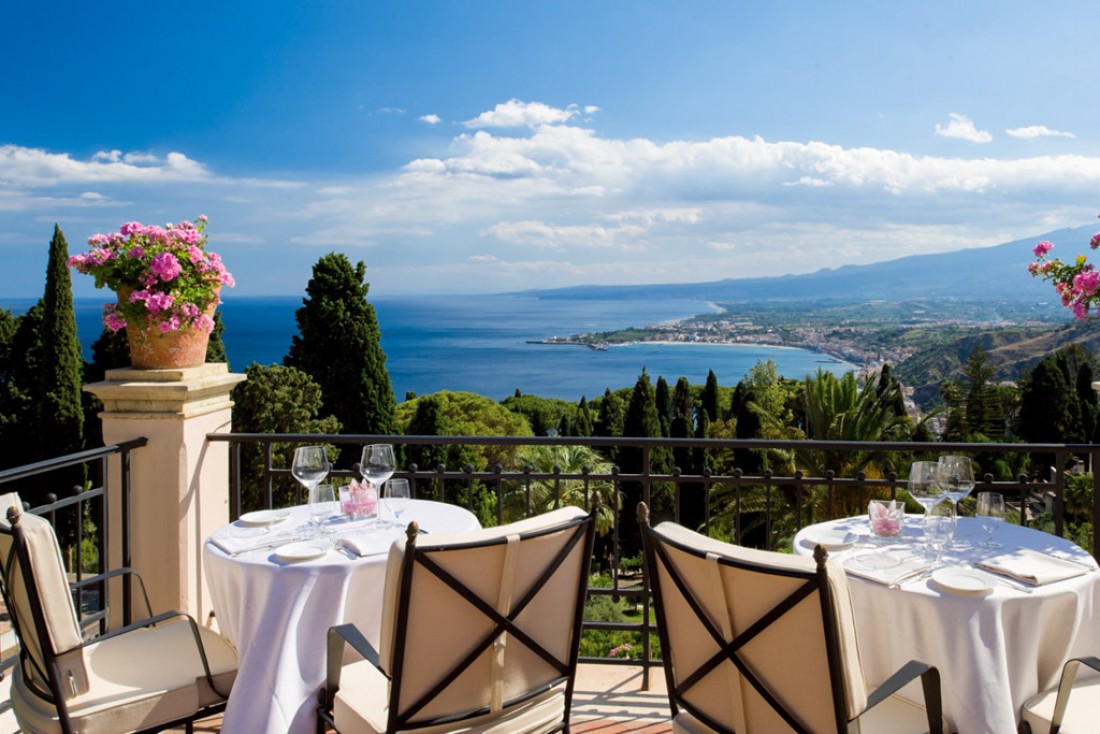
column 178, row 484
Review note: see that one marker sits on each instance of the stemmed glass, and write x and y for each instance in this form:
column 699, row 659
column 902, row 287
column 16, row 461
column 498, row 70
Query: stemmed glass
column 397, row 497
column 377, row 464
column 311, row 466
column 938, row 531
column 955, row 475
column 991, row 512
column 924, row 486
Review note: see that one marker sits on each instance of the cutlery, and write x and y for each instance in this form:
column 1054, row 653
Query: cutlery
column 915, row 575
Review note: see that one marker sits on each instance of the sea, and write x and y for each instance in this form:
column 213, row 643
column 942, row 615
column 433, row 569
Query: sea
column 487, row 344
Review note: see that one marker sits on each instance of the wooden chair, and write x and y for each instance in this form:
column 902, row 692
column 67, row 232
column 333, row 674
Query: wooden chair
column 161, row 672
column 1050, row 711
column 480, row 633
column 755, row 641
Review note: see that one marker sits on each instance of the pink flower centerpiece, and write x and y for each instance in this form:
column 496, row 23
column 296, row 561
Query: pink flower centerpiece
column 1076, row 284
column 164, row 277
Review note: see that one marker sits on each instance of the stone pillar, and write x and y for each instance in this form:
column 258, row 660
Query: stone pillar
column 179, row 480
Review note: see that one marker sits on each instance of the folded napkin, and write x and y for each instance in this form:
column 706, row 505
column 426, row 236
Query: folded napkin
column 235, row 544
column 369, row 542
column 910, row 565
column 1034, row 567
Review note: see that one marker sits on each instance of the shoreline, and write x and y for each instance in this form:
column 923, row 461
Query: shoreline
column 604, row 346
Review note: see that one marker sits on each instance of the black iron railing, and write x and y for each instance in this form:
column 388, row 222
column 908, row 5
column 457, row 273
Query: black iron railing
column 82, row 509
column 763, row 508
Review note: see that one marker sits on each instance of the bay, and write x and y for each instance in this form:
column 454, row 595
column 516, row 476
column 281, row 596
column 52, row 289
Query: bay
column 482, row 344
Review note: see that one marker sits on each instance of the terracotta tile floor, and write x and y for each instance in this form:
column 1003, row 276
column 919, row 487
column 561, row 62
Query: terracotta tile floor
column 608, row 700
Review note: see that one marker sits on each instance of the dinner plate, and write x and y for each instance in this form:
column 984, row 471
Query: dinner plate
column 264, row 517
column 830, row 539
column 963, row 580
column 304, row 551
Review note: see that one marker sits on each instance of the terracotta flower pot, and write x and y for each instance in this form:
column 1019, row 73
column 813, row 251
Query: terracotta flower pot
column 152, row 349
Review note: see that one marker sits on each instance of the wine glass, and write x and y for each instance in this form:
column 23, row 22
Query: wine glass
column 311, row 465
column 991, row 512
column 955, row 476
column 322, row 499
column 924, row 486
column 377, row 463
column 397, row 497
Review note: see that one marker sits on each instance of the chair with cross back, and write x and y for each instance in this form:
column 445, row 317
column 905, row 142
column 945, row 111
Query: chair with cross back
column 480, row 633
column 758, row 641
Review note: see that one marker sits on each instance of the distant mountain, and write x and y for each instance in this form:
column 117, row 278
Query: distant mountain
column 997, row 273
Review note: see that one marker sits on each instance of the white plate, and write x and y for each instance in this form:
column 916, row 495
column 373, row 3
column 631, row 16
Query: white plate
column 830, row 539
column 303, row 551
column 963, row 580
column 264, row 517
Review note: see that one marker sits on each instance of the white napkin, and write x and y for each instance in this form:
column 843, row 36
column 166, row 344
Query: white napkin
column 235, row 544
column 1034, row 567
column 909, row 566
column 370, row 542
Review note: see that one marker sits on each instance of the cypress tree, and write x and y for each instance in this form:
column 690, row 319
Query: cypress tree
column 583, row 426
column 664, row 404
column 60, row 425
column 339, row 346
column 640, row 421
column 710, row 397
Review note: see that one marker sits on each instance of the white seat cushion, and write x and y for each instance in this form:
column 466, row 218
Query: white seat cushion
column 1082, row 711
column 137, row 680
column 895, row 715
column 361, row 707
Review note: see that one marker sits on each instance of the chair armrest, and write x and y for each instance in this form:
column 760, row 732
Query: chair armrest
column 1065, row 687
column 930, row 682
column 103, row 577
column 338, row 637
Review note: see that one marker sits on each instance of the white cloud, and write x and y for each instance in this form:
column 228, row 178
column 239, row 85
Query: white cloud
column 36, row 167
column 541, row 234
column 962, row 127
column 516, row 113
column 473, row 212
column 1038, row 131
column 431, row 119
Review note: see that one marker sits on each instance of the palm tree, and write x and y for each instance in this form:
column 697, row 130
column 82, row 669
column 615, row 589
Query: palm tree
column 548, row 494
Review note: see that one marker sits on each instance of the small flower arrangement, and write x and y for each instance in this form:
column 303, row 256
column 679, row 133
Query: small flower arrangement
column 164, row 277
column 1076, row 284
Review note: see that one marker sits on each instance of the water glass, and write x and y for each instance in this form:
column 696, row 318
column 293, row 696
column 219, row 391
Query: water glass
column 322, row 503
column 397, row 497
column 939, row 529
column 991, row 513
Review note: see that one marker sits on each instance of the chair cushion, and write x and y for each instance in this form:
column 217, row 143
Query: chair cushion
column 361, row 707
column 53, row 589
column 1081, row 712
column 137, row 680
column 895, row 715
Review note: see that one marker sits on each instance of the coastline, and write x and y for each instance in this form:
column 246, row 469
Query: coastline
column 604, row 346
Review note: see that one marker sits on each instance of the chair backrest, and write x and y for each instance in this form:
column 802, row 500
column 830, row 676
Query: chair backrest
column 36, row 591
column 474, row 623
column 753, row 640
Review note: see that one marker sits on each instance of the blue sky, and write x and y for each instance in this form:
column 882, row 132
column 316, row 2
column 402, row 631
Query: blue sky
column 495, row 146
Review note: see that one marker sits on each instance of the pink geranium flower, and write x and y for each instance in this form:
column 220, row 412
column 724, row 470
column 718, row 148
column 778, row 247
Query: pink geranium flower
column 171, row 279
column 1077, row 283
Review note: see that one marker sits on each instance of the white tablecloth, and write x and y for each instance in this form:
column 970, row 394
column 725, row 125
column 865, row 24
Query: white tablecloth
column 278, row 615
column 993, row 650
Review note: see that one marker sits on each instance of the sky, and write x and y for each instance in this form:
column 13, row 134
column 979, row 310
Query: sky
column 494, row 146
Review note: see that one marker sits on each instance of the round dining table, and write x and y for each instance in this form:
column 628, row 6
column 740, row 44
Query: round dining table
column 275, row 593
column 996, row 639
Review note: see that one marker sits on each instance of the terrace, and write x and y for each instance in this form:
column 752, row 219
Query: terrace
column 171, row 446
